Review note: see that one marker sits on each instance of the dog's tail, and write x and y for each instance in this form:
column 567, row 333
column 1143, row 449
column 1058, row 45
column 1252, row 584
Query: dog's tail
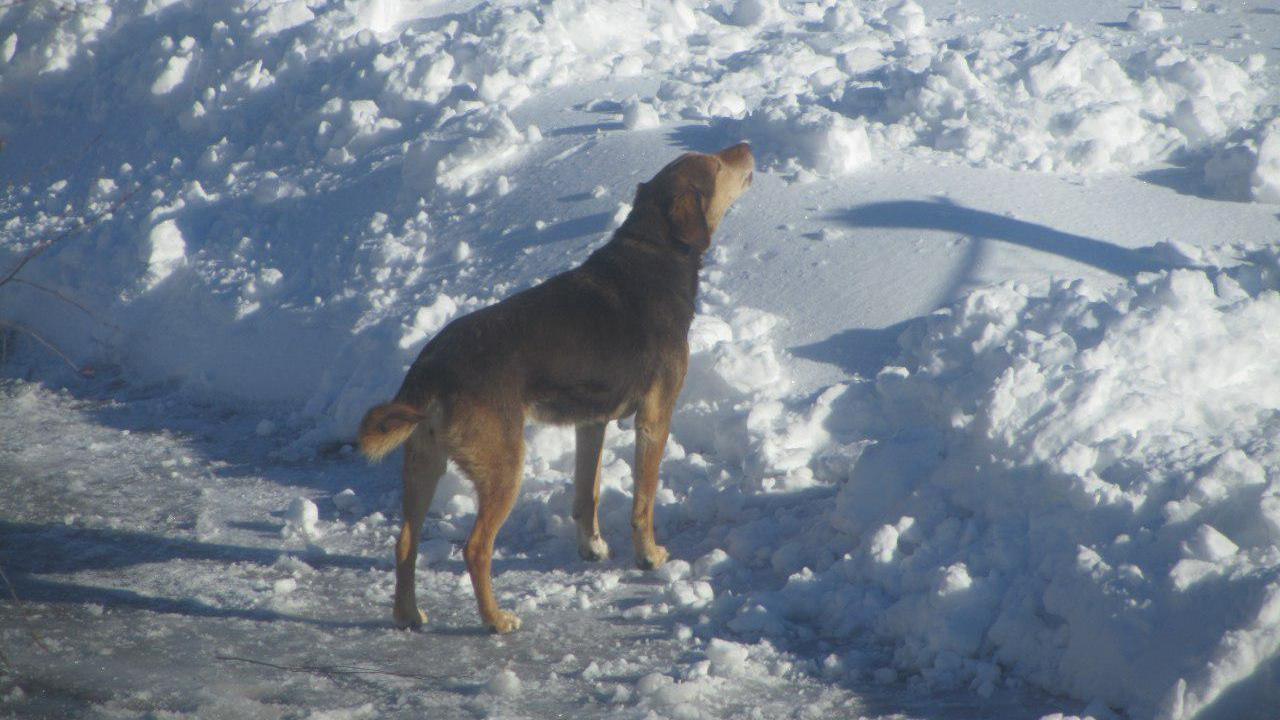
column 385, row 427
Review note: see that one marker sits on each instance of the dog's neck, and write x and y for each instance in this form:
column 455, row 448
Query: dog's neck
column 647, row 223
column 647, row 233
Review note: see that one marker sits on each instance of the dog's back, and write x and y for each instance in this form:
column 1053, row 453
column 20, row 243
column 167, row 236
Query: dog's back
column 581, row 346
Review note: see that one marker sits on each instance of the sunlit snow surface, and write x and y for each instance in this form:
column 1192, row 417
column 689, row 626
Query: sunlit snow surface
column 982, row 401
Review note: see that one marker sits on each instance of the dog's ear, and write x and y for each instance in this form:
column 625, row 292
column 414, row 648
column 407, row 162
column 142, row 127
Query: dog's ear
column 689, row 222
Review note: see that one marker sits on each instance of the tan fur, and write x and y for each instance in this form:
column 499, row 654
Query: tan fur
column 386, row 427
column 597, row 343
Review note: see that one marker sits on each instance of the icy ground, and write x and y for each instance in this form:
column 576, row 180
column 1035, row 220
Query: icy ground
column 982, row 412
column 142, row 552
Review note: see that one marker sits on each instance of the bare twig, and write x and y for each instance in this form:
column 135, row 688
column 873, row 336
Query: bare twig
column 22, row 609
column 327, row 669
column 66, row 299
column 52, row 348
column 35, row 252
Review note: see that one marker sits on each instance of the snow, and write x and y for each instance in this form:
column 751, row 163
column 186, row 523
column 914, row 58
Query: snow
column 505, row 683
column 981, row 412
column 165, row 250
column 1146, row 20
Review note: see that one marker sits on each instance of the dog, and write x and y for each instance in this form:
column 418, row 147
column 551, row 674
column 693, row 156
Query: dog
column 605, row 340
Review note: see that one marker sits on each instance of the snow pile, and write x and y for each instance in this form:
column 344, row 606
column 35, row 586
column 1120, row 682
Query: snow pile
column 1074, row 487
column 304, row 169
column 1247, row 169
column 1059, row 101
column 1146, row 20
column 809, row 138
column 51, row 38
column 1050, row 100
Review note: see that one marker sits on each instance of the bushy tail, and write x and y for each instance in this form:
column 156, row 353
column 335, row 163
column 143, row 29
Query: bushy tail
column 385, row 427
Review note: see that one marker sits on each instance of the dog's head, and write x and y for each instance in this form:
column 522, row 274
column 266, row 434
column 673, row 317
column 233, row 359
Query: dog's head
column 692, row 193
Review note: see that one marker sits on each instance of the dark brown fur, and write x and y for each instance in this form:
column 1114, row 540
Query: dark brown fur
column 602, row 341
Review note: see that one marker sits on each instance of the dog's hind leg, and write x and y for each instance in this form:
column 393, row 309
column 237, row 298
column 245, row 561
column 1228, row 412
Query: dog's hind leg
column 492, row 456
column 586, row 491
column 424, row 463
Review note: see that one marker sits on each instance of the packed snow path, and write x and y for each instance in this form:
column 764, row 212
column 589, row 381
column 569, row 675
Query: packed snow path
column 145, row 552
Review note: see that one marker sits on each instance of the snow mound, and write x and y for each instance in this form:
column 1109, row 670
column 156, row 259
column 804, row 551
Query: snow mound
column 1060, row 102
column 1247, row 168
column 1068, row 486
column 1146, row 20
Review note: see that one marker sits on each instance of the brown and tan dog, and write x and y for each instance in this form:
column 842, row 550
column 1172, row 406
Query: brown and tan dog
column 597, row 343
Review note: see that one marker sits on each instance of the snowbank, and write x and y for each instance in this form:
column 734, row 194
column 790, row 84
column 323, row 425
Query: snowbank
column 303, row 171
column 1247, row 169
column 1075, row 487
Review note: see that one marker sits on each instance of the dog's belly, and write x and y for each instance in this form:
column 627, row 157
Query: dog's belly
column 582, row 404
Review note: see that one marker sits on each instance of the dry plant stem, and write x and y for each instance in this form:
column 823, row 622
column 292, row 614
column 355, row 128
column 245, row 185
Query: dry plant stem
column 52, row 348
column 84, row 225
column 21, row 609
column 327, row 669
column 34, row 253
column 66, row 299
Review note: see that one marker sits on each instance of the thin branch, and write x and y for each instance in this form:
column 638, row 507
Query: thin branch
column 22, row 609
column 52, row 348
column 84, row 225
column 327, row 669
column 66, row 299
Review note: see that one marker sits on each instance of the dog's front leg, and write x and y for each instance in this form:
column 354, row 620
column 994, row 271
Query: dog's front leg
column 653, row 423
column 586, row 491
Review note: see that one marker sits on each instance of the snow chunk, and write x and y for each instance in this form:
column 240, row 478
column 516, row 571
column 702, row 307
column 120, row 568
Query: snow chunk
column 907, row 18
column 505, row 684
column 728, row 659
column 1264, row 182
column 815, row 138
column 639, row 115
column 282, row 15
column 165, row 250
column 427, row 321
column 347, row 502
column 301, row 516
column 747, row 13
column 175, row 69
column 1209, row 544
column 1145, row 20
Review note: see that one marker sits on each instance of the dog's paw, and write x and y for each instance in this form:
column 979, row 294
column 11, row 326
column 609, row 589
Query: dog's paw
column 411, row 619
column 593, row 548
column 652, row 558
column 503, row 623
